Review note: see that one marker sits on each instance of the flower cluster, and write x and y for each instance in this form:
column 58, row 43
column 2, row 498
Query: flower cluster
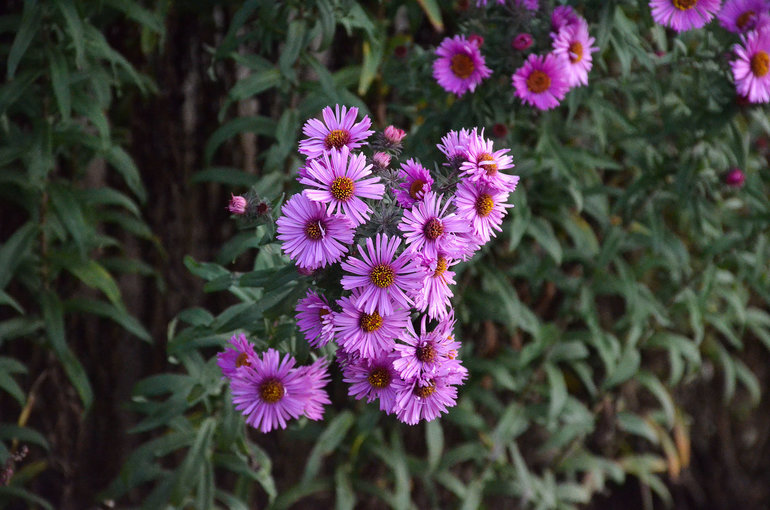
column 749, row 18
column 396, row 234
column 543, row 80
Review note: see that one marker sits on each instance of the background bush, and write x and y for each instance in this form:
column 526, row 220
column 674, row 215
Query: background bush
column 615, row 332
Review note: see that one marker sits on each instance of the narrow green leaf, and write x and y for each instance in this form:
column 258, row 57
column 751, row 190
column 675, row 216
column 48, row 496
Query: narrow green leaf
column 10, row 386
column 109, row 311
column 137, row 13
column 94, row 275
column 71, row 215
column 295, row 41
column 13, row 251
column 433, row 12
column 373, row 51
column 259, row 125
column 60, row 79
column 346, row 497
column 434, row 439
column 122, row 162
column 328, row 440
column 10, row 432
column 30, row 25
column 75, row 29
column 558, row 391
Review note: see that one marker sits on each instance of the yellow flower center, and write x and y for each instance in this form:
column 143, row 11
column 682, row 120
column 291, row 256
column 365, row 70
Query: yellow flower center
column 337, row 138
column 491, row 168
column 441, row 266
column 462, row 65
column 426, row 353
column 415, row 188
column 242, row 360
column 342, row 188
column 685, row 5
column 271, row 391
column 760, row 63
column 379, row 378
column 484, row 205
column 575, row 52
column 371, row 322
column 433, row 229
column 744, row 19
column 538, row 81
column 425, row 391
column 314, row 230
column 382, row 276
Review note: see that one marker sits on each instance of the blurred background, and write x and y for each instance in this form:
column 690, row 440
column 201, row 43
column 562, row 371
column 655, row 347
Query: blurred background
column 616, row 331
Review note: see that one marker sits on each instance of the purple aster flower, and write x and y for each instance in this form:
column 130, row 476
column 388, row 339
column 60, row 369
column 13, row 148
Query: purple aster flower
column 310, row 236
column 460, row 66
column 373, row 378
column 574, row 46
column 541, row 81
column 562, row 16
column 471, row 243
column 368, row 334
column 385, row 280
column 240, row 353
column 483, row 164
column 416, row 181
column 682, row 15
column 483, row 207
column 316, row 376
column 341, row 180
column 454, row 145
column 426, row 399
column 750, row 68
column 740, row 16
column 338, row 129
column 530, row 5
column 435, row 294
column 430, row 229
column 315, row 319
column 269, row 392
column 430, row 352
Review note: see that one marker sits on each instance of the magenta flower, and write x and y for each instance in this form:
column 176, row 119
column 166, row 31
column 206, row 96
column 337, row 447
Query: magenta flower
column 429, row 229
column 381, row 160
column 574, row 46
column 460, row 66
column 316, row 376
column 373, row 378
column 563, row 16
column 368, row 334
column 541, row 81
column 237, row 205
column 734, row 178
column 310, row 236
column 740, row 16
column 752, row 65
column 430, row 352
column 435, row 294
column 240, row 353
column 483, row 207
column 338, row 129
column 385, row 280
column 269, row 391
column 522, row 41
column 531, row 5
column 415, row 182
column 426, row 399
column 483, row 164
column 683, row 15
column 394, row 135
column 454, row 145
column 315, row 319
column 341, row 180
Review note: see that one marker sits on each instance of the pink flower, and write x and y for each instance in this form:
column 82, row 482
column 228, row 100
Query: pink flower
column 394, row 135
column 522, row 41
column 373, row 378
column 342, row 180
column 381, row 160
column 683, row 15
column 338, row 129
column 415, row 182
column 740, row 16
column 454, row 145
column 531, row 5
column 563, row 16
column 435, row 294
column 574, row 46
column 460, row 67
column 735, row 178
column 751, row 68
column 237, row 205
column 476, row 40
column 367, row 334
column 484, row 164
column 483, row 206
column 240, row 353
column 315, row 319
column 541, row 81
column 429, row 229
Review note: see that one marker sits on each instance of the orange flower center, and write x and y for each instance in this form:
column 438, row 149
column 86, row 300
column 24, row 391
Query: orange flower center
column 575, row 52
column 242, row 360
column 441, row 266
column 744, row 19
column 271, row 391
column 426, row 353
column 425, row 391
column 491, row 168
column 382, row 276
column 462, row 65
column 685, row 5
column 484, row 205
column 336, row 138
column 379, row 378
column 538, row 81
column 415, row 188
column 760, row 63
column 433, row 229
column 342, row 188
column 371, row 322
column 314, row 230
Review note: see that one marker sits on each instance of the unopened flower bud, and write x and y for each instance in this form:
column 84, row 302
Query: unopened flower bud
column 522, row 41
column 500, row 130
column 237, row 205
column 394, row 135
column 735, row 178
column 476, row 40
column 381, row 160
